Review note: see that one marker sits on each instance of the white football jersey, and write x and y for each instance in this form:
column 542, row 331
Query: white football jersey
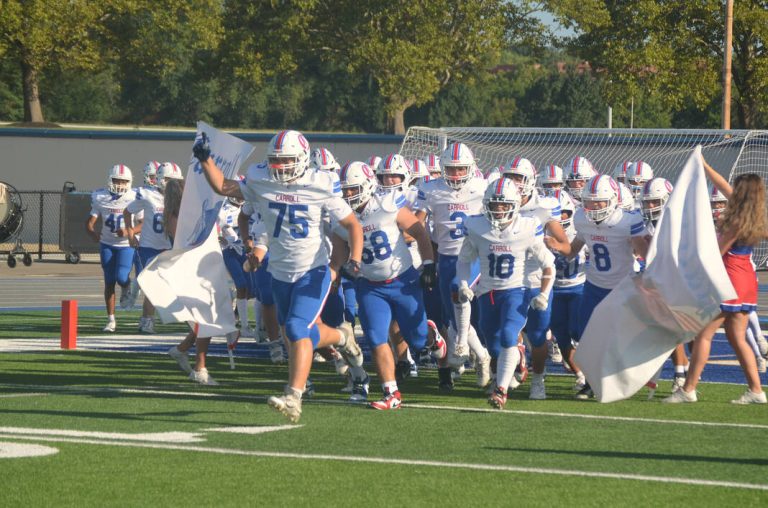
column 385, row 253
column 545, row 209
column 570, row 273
column 228, row 229
column 110, row 208
column 149, row 204
column 293, row 217
column 610, row 248
column 449, row 209
column 503, row 253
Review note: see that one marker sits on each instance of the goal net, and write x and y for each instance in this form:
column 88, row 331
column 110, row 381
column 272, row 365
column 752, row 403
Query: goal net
column 731, row 152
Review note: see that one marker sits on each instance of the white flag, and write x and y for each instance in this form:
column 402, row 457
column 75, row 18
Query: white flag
column 636, row 327
column 190, row 282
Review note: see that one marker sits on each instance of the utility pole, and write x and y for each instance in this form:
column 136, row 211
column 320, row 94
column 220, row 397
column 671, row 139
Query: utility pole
column 726, row 123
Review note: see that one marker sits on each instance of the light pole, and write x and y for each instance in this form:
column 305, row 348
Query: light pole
column 726, row 123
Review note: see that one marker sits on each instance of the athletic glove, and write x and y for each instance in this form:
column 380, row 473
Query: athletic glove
column 202, row 148
column 351, row 269
column 428, row 277
column 465, row 293
column 540, row 302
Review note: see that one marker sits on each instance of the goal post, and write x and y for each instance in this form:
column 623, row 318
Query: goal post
column 731, row 152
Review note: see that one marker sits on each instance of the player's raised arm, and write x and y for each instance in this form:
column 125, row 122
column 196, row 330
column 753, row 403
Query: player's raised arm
column 717, row 179
column 224, row 186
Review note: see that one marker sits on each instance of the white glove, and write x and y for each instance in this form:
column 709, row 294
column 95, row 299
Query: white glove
column 540, row 301
column 465, row 294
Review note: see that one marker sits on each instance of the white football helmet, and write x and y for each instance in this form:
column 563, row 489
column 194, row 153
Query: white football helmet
column 433, row 166
column 494, row 173
column 323, row 159
column 626, row 199
column 717, row 201
column 523, row 173
column 655, row 195
column 454, row 160
column 578, row 171
column 359, row 177
column 502, row 191
column 373, row 162
column 119, row 179
column 150, row 173
column 394, row 164
column 419, row 172
column 288, row 156
column 551, row 179
column 620, row 171
column 168, row 170
column 600, row 197
column 567, row 206
column 637, row 174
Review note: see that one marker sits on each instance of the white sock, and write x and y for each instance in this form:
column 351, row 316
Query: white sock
column 111, row 318
column 242, row 310
column 462, row 312
column 509, row 357
column 475, row 345
column 390, row 387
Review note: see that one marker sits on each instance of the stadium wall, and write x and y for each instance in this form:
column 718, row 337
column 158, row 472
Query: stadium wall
column 44, row 159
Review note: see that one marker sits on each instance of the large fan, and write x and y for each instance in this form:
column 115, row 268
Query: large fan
column 12, row 223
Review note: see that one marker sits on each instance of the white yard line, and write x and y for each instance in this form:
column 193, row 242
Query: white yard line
column 406, row 462
column 152, row 391
column 14, row 395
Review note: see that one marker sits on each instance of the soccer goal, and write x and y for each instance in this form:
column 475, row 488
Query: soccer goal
column 731, row 152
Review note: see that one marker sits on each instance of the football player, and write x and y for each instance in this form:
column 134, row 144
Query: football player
column 502, row 239
column 291, row 199
column 115, row 251
column 612, row 237
column 450, row 200
column 153, row 240
column 388, row 286
column 578, row 171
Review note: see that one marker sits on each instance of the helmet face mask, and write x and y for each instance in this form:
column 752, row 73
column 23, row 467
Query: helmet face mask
column 655, row 195
column 501, row 203
column 523, row 173
column 458, row 165
column 167, row 171
column 119, row 179
column 600, row 198
column 393, row 172
column 150, row 173
column 637, row 175
column 287, row 156
column 358, row 184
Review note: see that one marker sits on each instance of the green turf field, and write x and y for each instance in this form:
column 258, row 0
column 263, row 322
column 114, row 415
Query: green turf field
column 131, row 430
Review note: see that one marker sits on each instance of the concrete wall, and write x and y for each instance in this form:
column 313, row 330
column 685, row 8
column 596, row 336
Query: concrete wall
column 43, row 159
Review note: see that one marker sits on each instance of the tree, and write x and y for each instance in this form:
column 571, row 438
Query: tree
column 40, row 34
column 411, row 49
column 673, row 50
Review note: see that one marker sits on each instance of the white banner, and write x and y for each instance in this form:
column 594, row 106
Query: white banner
column 637, row 326
column 190, row 282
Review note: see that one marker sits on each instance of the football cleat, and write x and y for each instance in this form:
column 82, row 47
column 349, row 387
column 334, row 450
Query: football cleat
column 498, row 398
column 445, row 379
column 360, row 390
column 580, row 382
column 309, row 389
column 750, row 397
column 201, row 376
column 585, row 393
column 125, row 297
column 402, row 370
column 147, row 325
column 276, row 352
column 414, row 371
column 438, row 349
column 339, row 364
column 389, row 401
column 460, row 355
column 554, row 352
column 288, row 404
column 111, row 326
column 181, row 358
column 350, row 350
column 678, row 382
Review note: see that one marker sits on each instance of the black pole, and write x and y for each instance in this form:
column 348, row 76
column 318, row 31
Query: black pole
column 40, row 231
